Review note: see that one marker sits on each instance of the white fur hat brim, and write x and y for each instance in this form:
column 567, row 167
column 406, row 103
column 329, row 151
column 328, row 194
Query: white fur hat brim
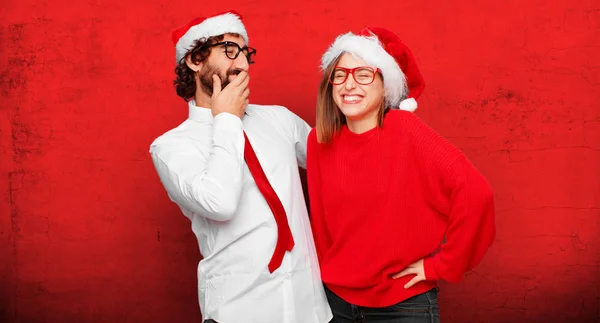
column 370, row 50
column 213, row 26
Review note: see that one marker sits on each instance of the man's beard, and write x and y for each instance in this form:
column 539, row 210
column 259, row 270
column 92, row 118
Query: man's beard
column 206, row 79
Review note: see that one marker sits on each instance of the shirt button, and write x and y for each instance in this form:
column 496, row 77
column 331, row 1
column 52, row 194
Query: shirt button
column 288, row 276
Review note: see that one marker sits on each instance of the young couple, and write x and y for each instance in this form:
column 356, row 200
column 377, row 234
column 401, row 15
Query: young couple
column 394, row 207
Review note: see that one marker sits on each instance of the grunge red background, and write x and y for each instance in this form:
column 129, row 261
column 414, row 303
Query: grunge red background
column 87, row 233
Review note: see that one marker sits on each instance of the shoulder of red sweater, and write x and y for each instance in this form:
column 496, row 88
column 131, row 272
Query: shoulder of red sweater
column 403, row 120
column 312, row 144
column 401, row 115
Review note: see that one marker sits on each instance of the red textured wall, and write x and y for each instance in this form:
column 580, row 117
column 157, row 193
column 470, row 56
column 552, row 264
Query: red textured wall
column 87, row 233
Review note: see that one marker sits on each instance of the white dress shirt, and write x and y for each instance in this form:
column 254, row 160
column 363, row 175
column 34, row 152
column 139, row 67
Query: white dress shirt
column 201, row 165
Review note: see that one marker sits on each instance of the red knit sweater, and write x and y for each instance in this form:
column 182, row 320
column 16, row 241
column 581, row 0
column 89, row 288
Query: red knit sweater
column 386, row 198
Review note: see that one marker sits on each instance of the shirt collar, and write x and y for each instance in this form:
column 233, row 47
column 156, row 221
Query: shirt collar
column 201, row 114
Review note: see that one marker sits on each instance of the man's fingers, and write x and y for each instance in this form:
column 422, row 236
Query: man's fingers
column 245, row 81
column 216, row 85
column 246, row 93
column 413, row 281
column 238, row 79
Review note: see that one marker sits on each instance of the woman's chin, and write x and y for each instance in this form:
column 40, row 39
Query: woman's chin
column 352, row 111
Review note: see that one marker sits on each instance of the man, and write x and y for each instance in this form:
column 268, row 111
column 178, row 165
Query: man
column 232, row 168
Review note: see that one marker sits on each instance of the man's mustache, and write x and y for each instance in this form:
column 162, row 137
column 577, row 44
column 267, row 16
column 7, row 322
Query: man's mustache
column 235, row 71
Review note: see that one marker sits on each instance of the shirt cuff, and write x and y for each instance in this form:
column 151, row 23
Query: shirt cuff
column 429, row 268
column 228, row 134
column 227, row 121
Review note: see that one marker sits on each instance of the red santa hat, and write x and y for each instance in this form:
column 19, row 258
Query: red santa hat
column 219, row 24
column 383, row 49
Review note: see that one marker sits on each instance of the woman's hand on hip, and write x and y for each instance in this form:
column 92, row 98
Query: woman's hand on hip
column 417, row 269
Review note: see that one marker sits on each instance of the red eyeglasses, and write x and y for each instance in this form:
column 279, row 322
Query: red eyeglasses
column 363, row 75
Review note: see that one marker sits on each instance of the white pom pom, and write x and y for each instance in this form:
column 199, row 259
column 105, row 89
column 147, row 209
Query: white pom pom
column 409, row 104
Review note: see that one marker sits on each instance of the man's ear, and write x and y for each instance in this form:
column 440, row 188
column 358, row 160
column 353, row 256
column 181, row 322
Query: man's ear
column 191, row 65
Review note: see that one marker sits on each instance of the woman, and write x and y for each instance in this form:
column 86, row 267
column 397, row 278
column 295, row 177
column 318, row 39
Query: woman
column 394, row 206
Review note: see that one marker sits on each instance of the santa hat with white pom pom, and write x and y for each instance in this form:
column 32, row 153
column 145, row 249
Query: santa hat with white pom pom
column 185, row 37
column 383, row 49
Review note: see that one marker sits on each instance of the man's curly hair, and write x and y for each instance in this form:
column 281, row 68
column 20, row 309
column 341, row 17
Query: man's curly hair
column 185, row 84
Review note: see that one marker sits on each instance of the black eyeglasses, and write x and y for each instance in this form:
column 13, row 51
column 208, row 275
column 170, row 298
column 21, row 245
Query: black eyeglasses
column 233, row 50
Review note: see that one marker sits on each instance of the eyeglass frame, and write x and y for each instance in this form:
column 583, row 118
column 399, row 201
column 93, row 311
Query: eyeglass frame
column 351, row 71
column 251, row 50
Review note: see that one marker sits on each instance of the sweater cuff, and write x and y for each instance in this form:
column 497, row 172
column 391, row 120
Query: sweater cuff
column 429, row 268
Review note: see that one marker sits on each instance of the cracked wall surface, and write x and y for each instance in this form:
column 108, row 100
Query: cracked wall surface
column 87, row 233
